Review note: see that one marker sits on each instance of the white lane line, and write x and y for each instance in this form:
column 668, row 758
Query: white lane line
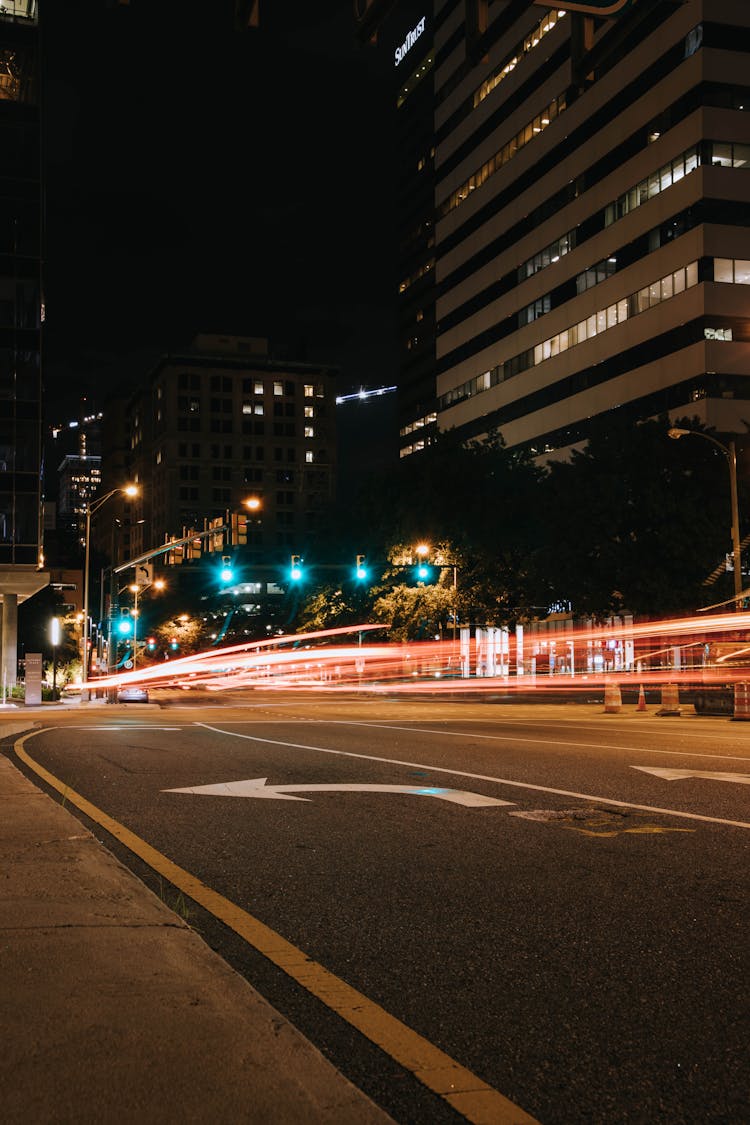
column 481, row 777
column 127, row 726
column 521, row 738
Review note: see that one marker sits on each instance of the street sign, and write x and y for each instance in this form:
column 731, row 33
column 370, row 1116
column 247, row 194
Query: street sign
column 592, row 7
column 33, row 678
column 256, row 787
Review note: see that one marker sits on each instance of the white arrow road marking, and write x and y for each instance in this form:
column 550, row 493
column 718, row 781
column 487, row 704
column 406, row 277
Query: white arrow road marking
column 480, row 777
column 256, row 787
column 680, row 775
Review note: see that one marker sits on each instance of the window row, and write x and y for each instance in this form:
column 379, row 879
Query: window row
column 544, row 26
column 225, row 383
column 602, row 320
column 618, row 313
column 423, row 269
column 510, row 149
column 657, row 182
column 595, row 275
column 548, row 256
column 418, row 424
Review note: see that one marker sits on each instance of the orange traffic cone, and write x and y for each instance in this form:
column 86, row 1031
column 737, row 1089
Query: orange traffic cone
column 641, row 700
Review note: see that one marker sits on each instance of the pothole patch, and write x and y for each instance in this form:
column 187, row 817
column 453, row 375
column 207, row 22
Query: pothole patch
column 600, row 822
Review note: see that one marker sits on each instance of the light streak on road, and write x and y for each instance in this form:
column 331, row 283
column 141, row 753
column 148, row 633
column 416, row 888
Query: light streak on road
column 323, row 660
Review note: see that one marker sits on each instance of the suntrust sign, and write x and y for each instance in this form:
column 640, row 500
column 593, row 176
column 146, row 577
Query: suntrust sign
column 410, row 40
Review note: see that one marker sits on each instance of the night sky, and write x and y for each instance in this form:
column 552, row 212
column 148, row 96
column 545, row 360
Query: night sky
column 205, row 180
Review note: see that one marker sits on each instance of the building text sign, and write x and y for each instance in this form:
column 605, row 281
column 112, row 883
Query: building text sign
column 33, row 678
column 410, row 40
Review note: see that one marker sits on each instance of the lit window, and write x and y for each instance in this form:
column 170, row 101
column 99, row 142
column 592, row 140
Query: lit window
column 309, row 456
column 258, row 387
column 309, row 390
column 309, row 431
column 278, row 388
column 309, row 412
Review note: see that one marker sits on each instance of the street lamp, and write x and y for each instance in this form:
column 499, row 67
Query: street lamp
column 731, row 456
column 135, row 589
column 91, row 509
column 54, row 633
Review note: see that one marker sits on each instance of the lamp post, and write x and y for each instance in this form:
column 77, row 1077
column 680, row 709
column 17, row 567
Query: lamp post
column 54, row 632
column 730, row 453
column 135, row 588
column 91, row 509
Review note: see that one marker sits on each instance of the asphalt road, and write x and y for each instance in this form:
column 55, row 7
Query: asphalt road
column 580, row 943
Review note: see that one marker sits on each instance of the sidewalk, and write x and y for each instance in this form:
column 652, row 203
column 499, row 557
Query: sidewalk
column 112, row 1010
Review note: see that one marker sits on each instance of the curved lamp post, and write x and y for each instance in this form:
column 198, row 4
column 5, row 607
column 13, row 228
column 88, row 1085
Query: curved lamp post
column 91, row 509
column 730, row 453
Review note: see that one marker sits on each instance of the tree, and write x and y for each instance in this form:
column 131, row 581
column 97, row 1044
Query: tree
column 34, row 618
column 631, row 521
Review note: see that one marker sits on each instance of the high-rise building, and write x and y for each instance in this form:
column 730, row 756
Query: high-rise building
column 403, row 31
column 587, row 243
column 21, row 314
column 592, row 216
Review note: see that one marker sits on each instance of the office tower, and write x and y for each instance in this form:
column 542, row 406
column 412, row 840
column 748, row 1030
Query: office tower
column 590, row 245
column 403, row 32
column 592, row 219
column 21, row 314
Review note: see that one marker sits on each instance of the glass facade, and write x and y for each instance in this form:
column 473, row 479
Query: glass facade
column 21, row 307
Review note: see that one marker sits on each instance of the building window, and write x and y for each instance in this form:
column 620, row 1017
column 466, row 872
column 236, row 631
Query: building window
column 732, row 270
column 309, row 390
column 278, row 388
column 309, row 458
column 309, row 431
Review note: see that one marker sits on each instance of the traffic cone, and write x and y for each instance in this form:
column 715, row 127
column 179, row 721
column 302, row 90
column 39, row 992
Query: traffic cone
column 641, row 700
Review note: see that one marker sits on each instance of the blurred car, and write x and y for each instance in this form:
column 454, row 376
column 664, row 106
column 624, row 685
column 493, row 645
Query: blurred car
column 132, row 694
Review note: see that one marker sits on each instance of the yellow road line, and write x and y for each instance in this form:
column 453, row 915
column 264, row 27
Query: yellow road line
column 463, row 1090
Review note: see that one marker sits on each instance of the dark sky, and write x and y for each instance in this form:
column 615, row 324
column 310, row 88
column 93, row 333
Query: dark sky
column 201, row 179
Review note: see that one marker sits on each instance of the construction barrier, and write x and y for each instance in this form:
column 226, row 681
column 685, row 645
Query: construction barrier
column 612, row 699
column 641, row 700
column 670, row 700
column 741, row 701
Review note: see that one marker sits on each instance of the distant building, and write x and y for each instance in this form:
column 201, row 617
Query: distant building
column 221, row 424
column 21, row 315
column 80, row 480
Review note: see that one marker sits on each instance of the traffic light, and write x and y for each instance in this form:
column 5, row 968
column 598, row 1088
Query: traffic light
column 125, row 625
column 226, row 573
column 151, row 644
column 423, row 572
column 239, row 529
column 360, row 571
column 174, row 644
column 295, row 570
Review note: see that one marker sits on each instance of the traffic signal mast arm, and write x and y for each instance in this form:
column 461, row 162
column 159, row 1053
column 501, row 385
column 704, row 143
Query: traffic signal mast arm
column 166, row 547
